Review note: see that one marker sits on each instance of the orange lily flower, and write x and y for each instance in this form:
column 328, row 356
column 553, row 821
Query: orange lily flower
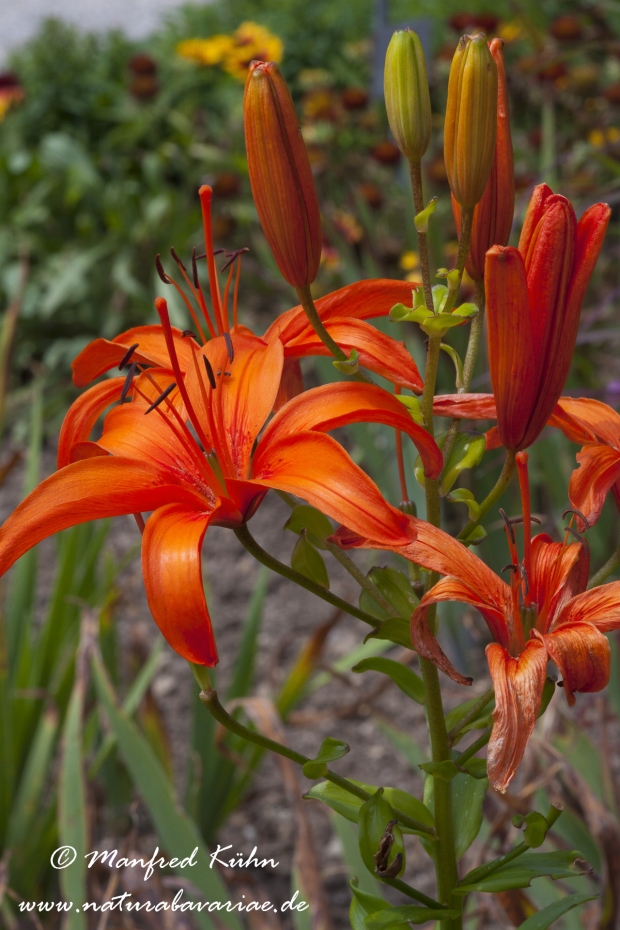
column 344, row 313
column 544, row 613
column 148, row 459
column 583, row 420
column 534, row 296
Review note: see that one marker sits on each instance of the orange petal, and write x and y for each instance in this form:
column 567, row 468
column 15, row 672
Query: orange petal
column 582, row 655
column 172, row 570
column 600, row 607
column 426, row 645
column 88, row 490
column 465, row 406
column 291, row 382
column 512, row 353
column 599, row 469
column 317, row 468
column 361, row 301
column 493, row 602
column 83, row 414
column 518, row 687
column 558, row 572
column 103, row 354
column 583, row 419
column 243, row 399
column 377, row 352
column 333, row 405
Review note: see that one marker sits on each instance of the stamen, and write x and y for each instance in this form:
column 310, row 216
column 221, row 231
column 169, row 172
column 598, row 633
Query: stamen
column 188, row 332
column 229, row 347
column 582, row 539
column 162, row 309
column 508, row 525
column 199, row 295
column 579, row 514
column 128, row 381
column 225, row 301
column 210, row 374
column 524, row 484
column 205, row 193
column 160, row 270
column 516, row 520
column 526, row 579
column 233, row 255
column 513, row 568
column 161, row 398
column 236, row 294
column 178, row 260
column 130, row 351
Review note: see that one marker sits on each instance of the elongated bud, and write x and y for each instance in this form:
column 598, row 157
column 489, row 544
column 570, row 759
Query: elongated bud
column 280, row 175
column 407, row 97
column 494, row 213
column 471, row 119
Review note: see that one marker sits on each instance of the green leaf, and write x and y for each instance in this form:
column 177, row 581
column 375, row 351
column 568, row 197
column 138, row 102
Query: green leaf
column 467, row 798
column 446, row 770
column 545, row 917
column 458, row 364
column 32, row 782
column 72, row 829
column 177, row 832
column 362, row 904
column 521, row 872
column 465, row 311
column 360, row 876
column 467, row 452
column 394, row 630
column 413, row 406
column 402, row 676
column 396, row 589
column 477, row 768
column 243, row 670
column 409, row 913
column 307, row 561
column 463, row 496
column 548, row 692
column 374, row 816
column 536, row 827
column 305, row 517
column 349, row 366
column 348, row 805
column 461, row 710
column 331, row 749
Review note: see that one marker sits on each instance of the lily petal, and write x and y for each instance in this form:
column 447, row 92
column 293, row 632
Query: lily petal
column 377, row 352
column 465, row 406
column 333, row 405
column 582, row 654
column 557, row 573
column 360, row 301
column 171, row 563
column 317, row 468
column 426, row 645
column 599, row 469
column 83, row 414
column 493, row 604
column 600, row 607
column 88, row 490
column 583, row 419
column 518, row 687
column 101, row 355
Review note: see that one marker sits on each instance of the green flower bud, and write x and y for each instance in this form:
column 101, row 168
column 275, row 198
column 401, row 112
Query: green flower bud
column 407, row 97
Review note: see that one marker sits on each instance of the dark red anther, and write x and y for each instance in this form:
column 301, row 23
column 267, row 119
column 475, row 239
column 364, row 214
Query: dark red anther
column 210, row 374
column 160, row 270
column 232, row 256
column 161, row 398
column 125, row 359
column 229, row 347
column 128, row 381
column 177, row 259
column 513, row 568
column 579, row 514
column 188, row 332
column 508, row 525
column 195, row 269
column 578, row 536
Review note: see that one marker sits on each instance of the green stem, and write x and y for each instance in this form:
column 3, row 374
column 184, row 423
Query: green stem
column 477, row 875
column 444, row 853
column 477, row 744
column 493, row 496
column 467, row 220
column 247, row 540
column 211, row 701
column 603, row 573
column 455, row 733
column 418, row 200
column 305, row 299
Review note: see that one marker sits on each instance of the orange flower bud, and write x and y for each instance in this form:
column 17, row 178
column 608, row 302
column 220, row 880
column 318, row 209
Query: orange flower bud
column 494, row 213
column 280, row 175
column 471, row 119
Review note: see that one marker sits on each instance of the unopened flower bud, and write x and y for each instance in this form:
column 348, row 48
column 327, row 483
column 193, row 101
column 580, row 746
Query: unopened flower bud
column 280, row 175
column 494, row 213
column 471, row 119
column 407, row 98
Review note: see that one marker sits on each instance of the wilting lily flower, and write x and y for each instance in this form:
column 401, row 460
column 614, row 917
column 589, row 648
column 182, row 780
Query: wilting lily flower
column 343, row 312
column 544, row 613
column 494, row 212
column 534, row 296
column 184, row 448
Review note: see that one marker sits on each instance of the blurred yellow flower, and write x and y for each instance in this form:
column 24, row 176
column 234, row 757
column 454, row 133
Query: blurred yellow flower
column 250, row 42
column 613, row 134
column 408, row 261
column 510, row 31
column 599, row 137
